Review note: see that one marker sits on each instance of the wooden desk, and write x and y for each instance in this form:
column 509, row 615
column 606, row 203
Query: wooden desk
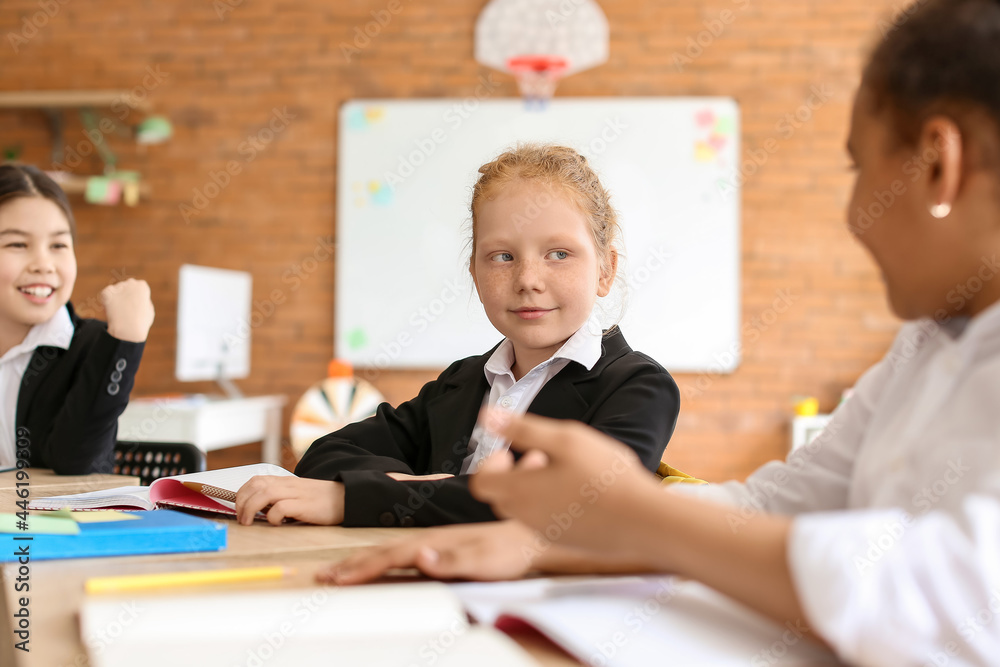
column 56, row 587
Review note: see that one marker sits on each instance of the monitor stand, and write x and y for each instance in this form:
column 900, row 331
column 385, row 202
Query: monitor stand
column 231, row 391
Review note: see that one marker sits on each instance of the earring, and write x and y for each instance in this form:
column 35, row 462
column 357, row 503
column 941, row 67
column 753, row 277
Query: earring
column 940, row 211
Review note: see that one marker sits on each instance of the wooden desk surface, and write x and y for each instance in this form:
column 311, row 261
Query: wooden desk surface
column 57, row 586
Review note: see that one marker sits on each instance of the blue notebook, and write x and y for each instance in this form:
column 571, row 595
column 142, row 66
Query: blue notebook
column 159, row 532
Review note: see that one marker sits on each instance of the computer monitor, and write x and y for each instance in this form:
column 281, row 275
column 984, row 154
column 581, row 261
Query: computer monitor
column 213, row 325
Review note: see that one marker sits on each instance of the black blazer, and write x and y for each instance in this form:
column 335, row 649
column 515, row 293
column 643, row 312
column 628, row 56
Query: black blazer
column 626, row 395
column 70, row 400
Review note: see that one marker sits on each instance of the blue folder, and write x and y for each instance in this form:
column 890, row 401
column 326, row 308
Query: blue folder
column 154, row 532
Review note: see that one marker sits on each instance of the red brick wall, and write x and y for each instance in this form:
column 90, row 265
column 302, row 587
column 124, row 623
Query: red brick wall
column 221, row 78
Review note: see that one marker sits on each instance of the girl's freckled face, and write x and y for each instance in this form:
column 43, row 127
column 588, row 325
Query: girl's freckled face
column 538, row 276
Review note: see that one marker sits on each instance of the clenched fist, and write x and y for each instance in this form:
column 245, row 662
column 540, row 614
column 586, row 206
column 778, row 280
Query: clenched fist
column 129, row 308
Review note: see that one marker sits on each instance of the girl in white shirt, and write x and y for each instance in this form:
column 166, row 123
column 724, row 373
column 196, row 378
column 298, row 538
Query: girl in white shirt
column 884, row 533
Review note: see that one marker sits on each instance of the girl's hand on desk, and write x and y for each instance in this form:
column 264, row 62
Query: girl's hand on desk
column 403, row 477
column 311, row 500
column 129, row 309
column 485, row 552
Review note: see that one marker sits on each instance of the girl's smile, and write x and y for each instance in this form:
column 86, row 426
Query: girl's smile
column 37, row 265
column 37, row 293
column 532, row 313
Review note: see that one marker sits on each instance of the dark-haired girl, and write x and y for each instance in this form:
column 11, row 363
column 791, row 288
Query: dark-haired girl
column 63, row 380
column 884, row 534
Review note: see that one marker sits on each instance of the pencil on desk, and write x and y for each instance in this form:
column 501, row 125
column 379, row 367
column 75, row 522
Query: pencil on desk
column 196, row 578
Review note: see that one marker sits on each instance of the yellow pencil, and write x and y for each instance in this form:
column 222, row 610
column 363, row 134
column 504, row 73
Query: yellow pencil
column 134, row 582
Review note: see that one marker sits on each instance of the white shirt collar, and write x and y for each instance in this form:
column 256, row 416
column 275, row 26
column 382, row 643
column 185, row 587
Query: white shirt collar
column 55, row 332
column 985, row 323
column 583, row 347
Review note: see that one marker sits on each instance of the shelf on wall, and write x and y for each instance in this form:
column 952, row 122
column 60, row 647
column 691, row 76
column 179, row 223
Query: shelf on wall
column 68, row 99
column 54, row 102
column 77, row 185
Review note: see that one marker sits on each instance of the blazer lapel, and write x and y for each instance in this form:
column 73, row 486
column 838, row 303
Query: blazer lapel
column 38, row 368
column 34, row 378
column 570, row 393
column 452, row 415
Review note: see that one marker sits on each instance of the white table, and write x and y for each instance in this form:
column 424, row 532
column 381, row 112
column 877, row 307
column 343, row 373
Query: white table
column 207, row 423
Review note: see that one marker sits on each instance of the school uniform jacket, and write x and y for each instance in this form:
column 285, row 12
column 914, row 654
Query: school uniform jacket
column 69, row 401
column 626, row 395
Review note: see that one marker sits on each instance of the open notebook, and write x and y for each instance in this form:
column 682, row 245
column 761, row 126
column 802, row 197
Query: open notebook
column 619, row 621
column 219, row 489
column 642, row 621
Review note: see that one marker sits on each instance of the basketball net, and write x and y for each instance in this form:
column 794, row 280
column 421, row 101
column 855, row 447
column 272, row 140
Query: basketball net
column 537, row 77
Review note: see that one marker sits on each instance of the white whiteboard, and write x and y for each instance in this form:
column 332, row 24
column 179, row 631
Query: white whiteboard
column 404, row 298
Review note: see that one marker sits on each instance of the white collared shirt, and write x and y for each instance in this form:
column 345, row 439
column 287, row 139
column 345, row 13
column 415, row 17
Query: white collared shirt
column 56, row 332
column 583, row 347
column 895, row 548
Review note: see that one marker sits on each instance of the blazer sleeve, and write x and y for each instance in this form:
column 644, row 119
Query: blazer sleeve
column 85, row 427
column 395, row 440
column 392, row 440
column 373, row 499
column 640, row 412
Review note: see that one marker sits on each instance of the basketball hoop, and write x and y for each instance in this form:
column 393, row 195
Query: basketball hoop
column 537, row 76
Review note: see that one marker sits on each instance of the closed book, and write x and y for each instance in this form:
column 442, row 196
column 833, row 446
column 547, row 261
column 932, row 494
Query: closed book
column 162, row 532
